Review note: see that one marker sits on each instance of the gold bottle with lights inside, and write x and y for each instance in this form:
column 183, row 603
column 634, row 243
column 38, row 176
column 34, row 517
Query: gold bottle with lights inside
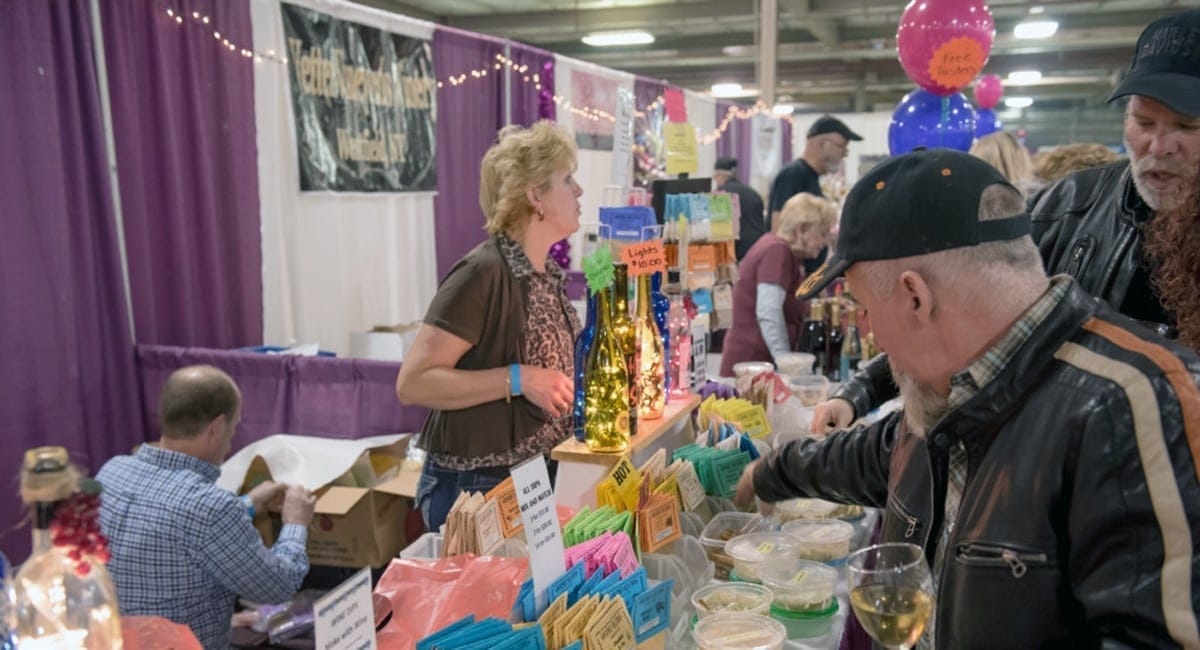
column 651, row 372
column 606, row 385
column 626, row 334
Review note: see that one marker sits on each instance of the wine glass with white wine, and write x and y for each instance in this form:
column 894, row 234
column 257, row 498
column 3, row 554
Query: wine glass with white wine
column 891, row 592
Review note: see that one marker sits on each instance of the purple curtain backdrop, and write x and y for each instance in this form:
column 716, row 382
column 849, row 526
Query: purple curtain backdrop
column 316, row 396
column 66, row 357
column 725, row 144
column 468, row 118
column 183, row 121
column 530, row 104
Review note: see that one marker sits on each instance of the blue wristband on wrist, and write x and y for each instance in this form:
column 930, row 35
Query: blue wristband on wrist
column 249, row 503
column 514, row 378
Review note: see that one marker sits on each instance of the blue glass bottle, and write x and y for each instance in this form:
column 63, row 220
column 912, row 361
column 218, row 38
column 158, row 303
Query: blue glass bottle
column 661, row 306
column 583, row 345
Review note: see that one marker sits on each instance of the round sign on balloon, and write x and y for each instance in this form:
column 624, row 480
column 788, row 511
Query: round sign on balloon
column 943, row 44
column 956, row 62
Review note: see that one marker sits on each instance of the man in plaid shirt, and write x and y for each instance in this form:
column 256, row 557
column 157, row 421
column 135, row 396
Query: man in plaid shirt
column 183, row 548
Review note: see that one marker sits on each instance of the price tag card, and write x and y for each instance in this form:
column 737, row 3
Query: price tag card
column 487, row 527
column 645, row 257
column 652, row 610
column 691, row 492
column 567, row 584
column 610, row 627
column 542, row 532
column 627, row 479
column 345, row 617
column 509, row 508
column 701, row 258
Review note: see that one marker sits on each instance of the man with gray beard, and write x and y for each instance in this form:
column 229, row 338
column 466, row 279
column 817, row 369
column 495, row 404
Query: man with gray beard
column 1047, row 458
column 1096, row 225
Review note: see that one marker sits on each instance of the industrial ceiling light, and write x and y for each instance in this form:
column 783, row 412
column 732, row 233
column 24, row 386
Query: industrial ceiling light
column 608, row 39
column 1024, row 77
column 727, row 90
column 1036, row 29
column 783, row 109
column 1018, row 102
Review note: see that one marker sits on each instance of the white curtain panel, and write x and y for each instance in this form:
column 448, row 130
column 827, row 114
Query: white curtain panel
column 702, row 114
column 595, row 166
column 333, row 263
column 873, row 127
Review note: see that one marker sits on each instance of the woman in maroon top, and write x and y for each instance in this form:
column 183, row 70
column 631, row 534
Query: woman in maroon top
column 766, row 313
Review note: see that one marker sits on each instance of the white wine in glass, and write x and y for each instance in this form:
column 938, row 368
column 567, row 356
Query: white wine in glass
column 891, row 592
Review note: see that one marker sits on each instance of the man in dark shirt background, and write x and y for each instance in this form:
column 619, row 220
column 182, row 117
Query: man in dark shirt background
column 752, row 224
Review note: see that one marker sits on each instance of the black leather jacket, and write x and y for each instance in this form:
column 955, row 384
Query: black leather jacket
column 1086, row 226
column 1064, row 538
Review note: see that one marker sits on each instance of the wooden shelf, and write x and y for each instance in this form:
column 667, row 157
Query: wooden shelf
column 649, row 431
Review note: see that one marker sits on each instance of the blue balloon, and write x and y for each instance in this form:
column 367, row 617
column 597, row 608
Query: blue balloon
column 986, row 122
column 922, row 119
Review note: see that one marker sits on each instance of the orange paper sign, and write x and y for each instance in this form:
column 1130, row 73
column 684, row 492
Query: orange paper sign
column 956, row 62
column 645, row 257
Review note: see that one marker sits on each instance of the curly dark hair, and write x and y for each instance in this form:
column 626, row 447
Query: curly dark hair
column 1173, row 249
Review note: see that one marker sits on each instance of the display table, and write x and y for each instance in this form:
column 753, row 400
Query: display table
column 580, row 470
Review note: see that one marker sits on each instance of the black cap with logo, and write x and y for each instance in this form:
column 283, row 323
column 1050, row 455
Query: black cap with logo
column 1166, row 65
column 922, row 202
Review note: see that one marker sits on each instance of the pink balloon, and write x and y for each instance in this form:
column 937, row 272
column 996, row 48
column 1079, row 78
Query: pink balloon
column 988, row 91
column 943, row 44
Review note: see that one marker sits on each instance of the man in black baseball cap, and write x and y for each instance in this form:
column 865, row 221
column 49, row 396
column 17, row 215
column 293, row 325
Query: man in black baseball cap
column 1035, row 418
column 827, row 143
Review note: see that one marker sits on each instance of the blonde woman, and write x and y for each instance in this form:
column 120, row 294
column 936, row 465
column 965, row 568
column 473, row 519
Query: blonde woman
column 1005, row 152
column 494, row 358
column 766, row 313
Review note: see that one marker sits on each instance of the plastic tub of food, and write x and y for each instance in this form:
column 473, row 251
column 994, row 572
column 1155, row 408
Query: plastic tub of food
column 809, row 389
column 806, row 625
column 751, row 551
column 739, row 632
column 821, row 540
column 800, row 585
column 724, row 527
column 794, row 509
column 731, row 598
column 751, row 368
column 794, row 364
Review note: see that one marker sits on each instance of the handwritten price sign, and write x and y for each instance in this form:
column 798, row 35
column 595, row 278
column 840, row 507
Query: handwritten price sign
column 645, row 257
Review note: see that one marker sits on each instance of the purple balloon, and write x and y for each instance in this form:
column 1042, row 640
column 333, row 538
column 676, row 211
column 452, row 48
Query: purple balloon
column 560, row 252
column 986, row 122
column 943, row 44
column 922, row 119
column 988, row 91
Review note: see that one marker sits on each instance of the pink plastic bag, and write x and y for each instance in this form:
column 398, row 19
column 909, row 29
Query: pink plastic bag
column 427, row 595
column 149, row 632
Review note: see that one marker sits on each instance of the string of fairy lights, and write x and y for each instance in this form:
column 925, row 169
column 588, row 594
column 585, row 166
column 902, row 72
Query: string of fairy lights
column 519, row 70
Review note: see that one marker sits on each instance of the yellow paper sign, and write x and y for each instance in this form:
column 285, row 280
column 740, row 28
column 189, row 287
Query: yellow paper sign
column 627, row 480
column 645, row 257
column 680, row 139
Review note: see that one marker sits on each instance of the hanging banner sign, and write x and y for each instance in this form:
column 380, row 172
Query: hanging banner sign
column 364, row 105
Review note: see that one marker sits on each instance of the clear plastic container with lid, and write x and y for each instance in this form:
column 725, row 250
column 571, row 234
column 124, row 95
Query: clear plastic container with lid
column 732, row 598
column 793, row 509
column 822, row 540
column 800, row 585
column 751, row 551
column 724, row 527
column 739, row 632
column 751, row 368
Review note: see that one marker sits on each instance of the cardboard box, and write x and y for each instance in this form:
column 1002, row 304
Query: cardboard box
column 361, row 509
column 384, row 342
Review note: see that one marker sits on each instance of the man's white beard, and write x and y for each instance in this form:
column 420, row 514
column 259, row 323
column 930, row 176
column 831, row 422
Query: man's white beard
column 1161, row 200
column 923, row 406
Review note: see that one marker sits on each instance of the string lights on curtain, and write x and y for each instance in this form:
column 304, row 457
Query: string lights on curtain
column 519, row 70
